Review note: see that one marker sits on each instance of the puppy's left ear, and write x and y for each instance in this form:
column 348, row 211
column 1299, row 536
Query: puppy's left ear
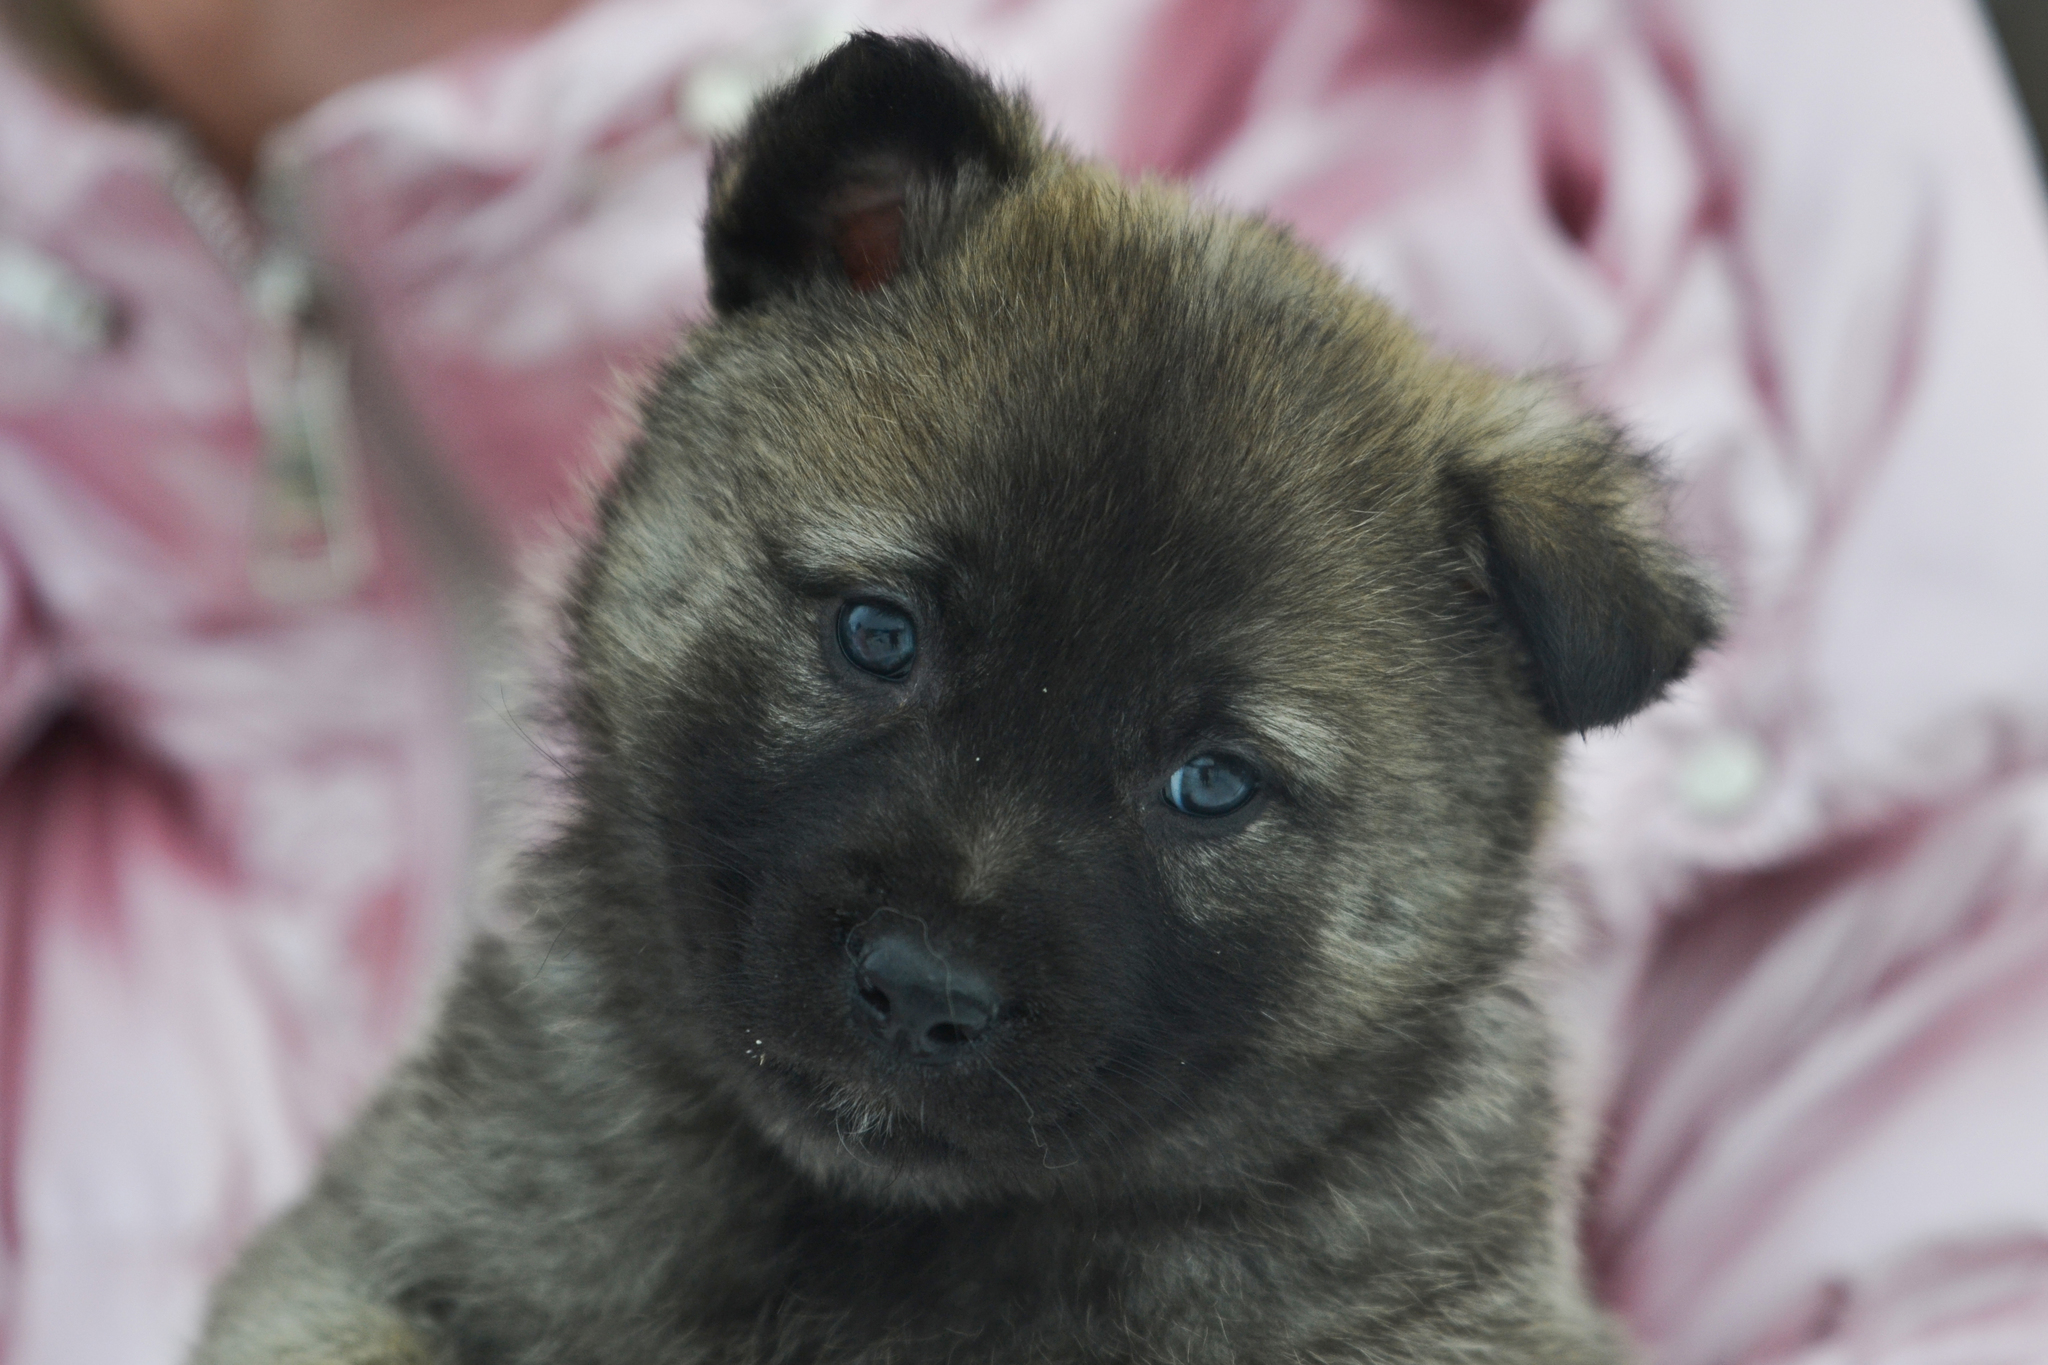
column 819, row 181
column 1563, row 526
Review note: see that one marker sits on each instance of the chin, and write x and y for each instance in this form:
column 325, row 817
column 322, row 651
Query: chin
column 859, row 1142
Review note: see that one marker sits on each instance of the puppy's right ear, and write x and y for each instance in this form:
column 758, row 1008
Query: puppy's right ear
column 817, row 182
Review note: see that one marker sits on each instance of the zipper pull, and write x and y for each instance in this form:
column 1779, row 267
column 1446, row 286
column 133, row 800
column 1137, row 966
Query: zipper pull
column 312, row 540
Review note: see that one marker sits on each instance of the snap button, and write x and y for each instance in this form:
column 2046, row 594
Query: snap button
column 42, row 296
column 1723, row 774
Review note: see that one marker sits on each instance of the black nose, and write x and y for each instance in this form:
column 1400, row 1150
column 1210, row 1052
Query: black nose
column 930, row 1010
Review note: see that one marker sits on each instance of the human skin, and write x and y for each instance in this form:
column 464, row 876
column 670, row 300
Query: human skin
column 232, row 70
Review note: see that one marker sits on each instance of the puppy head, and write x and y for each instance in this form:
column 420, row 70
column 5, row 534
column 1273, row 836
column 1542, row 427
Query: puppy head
column 1067, row 683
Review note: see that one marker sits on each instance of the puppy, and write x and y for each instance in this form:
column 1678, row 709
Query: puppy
column 1063, row 695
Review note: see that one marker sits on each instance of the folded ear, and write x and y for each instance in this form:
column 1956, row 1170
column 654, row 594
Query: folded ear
column 1563, row 525
column 818, row 180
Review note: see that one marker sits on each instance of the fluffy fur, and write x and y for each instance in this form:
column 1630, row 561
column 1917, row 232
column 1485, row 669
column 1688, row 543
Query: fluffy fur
column 1154, row 482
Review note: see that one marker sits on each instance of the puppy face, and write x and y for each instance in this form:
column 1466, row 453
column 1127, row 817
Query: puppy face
column 1068, row 684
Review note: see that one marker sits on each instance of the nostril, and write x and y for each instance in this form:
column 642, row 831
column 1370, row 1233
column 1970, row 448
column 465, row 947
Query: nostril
column 949, row 1035
column 967, row 1016
column 875, row 1000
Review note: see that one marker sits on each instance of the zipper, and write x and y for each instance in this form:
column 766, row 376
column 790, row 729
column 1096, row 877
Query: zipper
column 333, row 415
column 310, row 538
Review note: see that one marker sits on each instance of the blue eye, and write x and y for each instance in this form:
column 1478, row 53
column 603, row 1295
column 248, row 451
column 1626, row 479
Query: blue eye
column 1213, row 784
column 878, row 638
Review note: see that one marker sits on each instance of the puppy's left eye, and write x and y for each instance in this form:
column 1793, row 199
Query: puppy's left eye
column 878, row 638
column 1211, row 785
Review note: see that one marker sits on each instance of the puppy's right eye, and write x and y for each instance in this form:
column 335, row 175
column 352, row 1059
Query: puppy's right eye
column 878, row 638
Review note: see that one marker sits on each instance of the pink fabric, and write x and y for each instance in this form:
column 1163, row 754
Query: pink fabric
column 1802, row 908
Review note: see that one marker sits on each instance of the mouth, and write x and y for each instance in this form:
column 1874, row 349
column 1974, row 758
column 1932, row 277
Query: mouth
column 872, row 1130
column 839, row 1131
column 902, row 1132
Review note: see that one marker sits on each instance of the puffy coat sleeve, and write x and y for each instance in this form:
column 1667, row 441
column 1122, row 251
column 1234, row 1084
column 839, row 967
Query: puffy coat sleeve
column 1827, row 1143
column 1825, row 1140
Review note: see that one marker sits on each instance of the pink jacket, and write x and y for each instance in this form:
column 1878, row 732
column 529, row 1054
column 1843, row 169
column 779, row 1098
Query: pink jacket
column 1802, row 909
